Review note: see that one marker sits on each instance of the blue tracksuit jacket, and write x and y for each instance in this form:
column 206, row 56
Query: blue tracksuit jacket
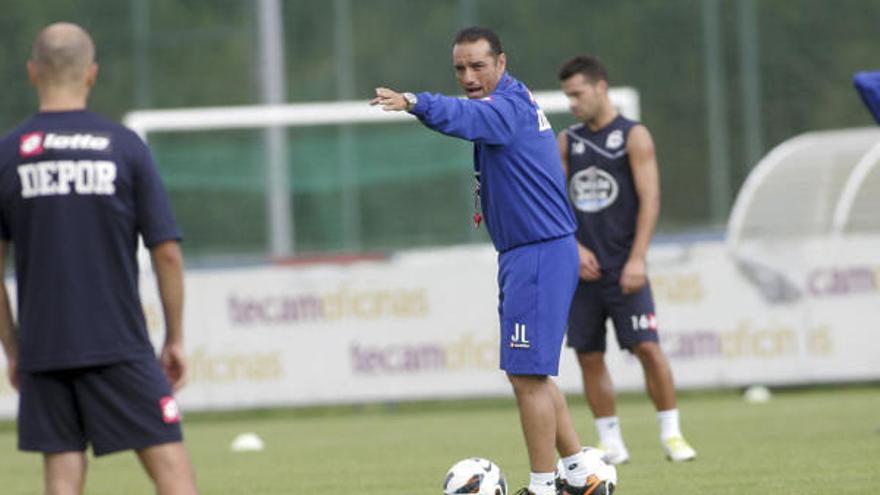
column 522, row 188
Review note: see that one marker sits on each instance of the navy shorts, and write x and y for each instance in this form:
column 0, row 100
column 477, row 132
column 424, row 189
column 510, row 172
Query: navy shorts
column 594, row 302
column 120, row 406
column 536, row 283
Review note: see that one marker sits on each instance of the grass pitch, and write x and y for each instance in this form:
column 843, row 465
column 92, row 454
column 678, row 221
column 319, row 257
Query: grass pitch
column 813, row 441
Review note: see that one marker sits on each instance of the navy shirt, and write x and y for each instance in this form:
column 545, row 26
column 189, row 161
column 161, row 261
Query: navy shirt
column 522, row 187
column 602, row 190
column 75, row 191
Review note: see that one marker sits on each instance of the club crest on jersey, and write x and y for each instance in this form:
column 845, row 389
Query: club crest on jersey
column 37, row 142
column 578, row 148
column 170, row 411
column 614, row 140
column 593, row 189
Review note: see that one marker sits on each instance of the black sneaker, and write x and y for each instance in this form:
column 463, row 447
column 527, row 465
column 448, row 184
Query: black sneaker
column 594, row 486
column 560, row 484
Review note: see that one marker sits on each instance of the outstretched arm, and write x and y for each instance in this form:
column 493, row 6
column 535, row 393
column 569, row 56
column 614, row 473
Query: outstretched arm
column 7, row 326
column 168, row 265
column 643, row 162
column 390, row 100
column 489, row 120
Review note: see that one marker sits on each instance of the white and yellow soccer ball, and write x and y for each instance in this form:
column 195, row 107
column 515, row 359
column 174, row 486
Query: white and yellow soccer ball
column 475, row 475
column 596, row 466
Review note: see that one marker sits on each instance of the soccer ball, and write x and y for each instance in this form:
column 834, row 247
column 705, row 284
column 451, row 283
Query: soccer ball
column 475, row 475
column 597, row 467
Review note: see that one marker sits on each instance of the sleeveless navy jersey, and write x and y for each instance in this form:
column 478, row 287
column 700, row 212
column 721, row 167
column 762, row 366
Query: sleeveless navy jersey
column 75, row 191
column 602, row 191
column 522, row 187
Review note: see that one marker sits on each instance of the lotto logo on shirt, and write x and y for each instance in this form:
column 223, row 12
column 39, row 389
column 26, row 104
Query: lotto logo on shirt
column 35, row 143
column 170, row 411
column 31, row 144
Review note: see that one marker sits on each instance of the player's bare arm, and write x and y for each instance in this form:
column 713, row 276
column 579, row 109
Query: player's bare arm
column 643, row 162
column 168, row 265
column 7, row 326
column 589, row 265
column 562, row 142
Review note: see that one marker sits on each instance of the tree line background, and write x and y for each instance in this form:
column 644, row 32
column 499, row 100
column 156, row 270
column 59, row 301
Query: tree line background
column 721, row 82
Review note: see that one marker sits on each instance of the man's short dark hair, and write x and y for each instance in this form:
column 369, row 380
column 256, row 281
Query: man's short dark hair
column 587, row 65
column 476, row 33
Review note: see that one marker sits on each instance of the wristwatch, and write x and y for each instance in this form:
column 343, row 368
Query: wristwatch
column 411, row 100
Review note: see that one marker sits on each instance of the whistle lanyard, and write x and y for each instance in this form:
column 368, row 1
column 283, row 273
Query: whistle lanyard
column 478, row 217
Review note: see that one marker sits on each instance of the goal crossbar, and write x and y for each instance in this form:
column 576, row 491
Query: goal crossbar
column 144, row 122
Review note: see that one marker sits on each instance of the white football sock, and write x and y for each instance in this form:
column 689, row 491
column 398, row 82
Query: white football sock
column 576, row 470
column 669, row 425
column 542, row 483
column 609, row 431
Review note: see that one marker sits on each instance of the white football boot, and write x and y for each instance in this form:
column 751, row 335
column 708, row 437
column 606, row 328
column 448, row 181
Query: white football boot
column 678, row 450
column 614, row 453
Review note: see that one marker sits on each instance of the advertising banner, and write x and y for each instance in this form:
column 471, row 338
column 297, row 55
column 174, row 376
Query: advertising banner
column 424, row 325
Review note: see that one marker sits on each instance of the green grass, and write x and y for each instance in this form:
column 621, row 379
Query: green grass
column 813, row 441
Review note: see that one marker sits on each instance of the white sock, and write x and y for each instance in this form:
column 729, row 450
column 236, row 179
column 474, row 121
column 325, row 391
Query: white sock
column 542, row 483
column 576, row 470
column 669, row 425
column 609, row 431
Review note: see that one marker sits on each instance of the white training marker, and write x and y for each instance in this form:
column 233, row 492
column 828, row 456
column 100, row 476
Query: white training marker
column 757, row 394
column 247, row 442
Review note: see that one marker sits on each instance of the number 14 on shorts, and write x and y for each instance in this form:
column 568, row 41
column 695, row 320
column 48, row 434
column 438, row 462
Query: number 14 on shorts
column 646, row 321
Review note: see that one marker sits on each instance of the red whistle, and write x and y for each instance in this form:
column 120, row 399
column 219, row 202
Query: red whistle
column 477, row 219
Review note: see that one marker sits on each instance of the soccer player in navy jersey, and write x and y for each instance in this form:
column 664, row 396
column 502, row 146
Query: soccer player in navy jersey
column 614, row 188
column 522, row 193
column 76, row 190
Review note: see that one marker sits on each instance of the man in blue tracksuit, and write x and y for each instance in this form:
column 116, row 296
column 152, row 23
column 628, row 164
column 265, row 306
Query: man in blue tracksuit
column 522, row 195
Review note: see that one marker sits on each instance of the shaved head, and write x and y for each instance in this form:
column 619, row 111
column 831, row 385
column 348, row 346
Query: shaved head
column 63, row 54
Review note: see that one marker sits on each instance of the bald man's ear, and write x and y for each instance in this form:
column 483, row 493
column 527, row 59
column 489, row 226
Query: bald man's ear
column 502, row 61
column 33, row 74
column 91, row 75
